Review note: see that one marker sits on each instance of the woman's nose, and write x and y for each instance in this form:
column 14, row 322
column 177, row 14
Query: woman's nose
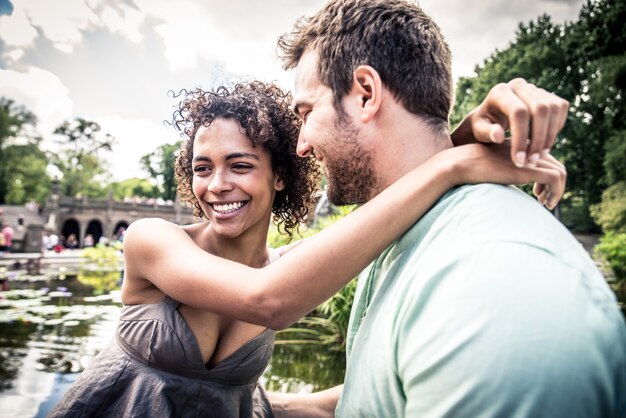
column 219, row 183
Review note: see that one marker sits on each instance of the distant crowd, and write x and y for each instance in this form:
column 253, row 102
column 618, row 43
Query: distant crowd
column 57, row 243
column 148, row 201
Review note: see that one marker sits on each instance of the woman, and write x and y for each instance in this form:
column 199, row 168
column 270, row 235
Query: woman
column 201, row 301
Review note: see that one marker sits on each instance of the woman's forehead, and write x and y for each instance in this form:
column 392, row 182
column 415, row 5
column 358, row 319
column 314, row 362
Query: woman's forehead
column 224, row 137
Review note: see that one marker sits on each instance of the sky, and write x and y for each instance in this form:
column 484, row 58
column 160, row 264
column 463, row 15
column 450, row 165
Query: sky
column 116, row 61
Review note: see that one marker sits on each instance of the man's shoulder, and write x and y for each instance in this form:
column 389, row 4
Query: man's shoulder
column 487, row 195
column 472, row 215
column 469, row 207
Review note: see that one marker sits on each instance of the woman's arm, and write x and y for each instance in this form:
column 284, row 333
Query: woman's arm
column 281, row 293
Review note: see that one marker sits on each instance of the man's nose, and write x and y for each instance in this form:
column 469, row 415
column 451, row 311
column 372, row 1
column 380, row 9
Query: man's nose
column 304, row 149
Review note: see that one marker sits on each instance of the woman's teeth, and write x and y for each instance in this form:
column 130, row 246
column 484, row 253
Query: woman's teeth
column 230, row 207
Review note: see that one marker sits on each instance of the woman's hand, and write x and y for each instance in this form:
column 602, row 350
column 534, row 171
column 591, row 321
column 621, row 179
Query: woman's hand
column 532, row 115
column 482, row 163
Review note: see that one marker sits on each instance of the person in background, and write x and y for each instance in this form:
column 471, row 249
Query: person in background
column 3, row 244
column 89, row 241
column 8, row 234
column 72, row 242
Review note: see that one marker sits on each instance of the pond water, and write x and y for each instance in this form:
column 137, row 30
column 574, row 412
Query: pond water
column 52, row 326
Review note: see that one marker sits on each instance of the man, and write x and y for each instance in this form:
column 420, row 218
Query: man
column 487, row 307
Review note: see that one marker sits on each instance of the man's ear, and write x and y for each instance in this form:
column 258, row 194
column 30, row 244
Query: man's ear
column 367, row 87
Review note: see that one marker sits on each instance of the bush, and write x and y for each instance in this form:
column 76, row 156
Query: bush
column 100, row 268
column 612, row 249
column 575, row 214
column 610, row 213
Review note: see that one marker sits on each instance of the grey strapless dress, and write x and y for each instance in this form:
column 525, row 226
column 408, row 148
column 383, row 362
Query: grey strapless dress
column 154, row 368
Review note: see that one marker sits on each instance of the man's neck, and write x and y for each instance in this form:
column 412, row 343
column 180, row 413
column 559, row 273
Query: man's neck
column 404, row 141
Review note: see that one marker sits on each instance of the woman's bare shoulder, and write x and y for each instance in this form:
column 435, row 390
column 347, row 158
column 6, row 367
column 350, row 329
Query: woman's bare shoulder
column 148, row 224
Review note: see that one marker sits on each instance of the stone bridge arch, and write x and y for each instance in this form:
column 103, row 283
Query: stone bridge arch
column 104, row 218
column 70, row 226
column 121, row 225
column 94, row 227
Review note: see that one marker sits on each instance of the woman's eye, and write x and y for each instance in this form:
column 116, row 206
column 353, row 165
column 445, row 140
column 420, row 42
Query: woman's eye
column 241, row 167
column 305, row 115
column 201, row 169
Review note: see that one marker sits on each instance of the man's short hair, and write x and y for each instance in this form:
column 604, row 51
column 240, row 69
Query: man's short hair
column 395, row 37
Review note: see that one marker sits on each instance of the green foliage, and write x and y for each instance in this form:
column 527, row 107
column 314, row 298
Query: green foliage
column 610, row 213
column 16, row 122
column 295, row 366
column 612, row 249
column 100, row 268
column 79, row 160
column 615, row 157
column 13, row 119
column 575, row 214
column 584, row 62
column 26, row 177
column 133, row 187
column 160, row 165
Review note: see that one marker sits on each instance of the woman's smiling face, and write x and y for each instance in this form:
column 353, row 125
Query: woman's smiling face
column 232, row 179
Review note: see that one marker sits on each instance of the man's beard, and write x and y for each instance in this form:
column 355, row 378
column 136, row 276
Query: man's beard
column 350, row 178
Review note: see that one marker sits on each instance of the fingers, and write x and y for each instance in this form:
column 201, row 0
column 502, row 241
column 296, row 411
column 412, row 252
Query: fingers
column 533, row 116
column 507, row 108
column 551, row 180
column 485, row 131
column 492, row 164
column 538, row 119
column 546, row 115
column 559, row 108
column 538, row 188
column 496, row 133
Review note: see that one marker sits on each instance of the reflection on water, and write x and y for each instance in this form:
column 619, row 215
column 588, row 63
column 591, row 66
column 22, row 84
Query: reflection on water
column 50, row 329
column 304, row 368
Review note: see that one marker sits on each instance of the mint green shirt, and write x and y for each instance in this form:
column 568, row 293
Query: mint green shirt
column 487, row 307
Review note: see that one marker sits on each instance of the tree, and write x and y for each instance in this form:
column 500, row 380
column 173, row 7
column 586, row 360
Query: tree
column 25, row 169
column 133, row 187
column 16, row 125
column 79, row 158
column 160, row 166
column 584, row 62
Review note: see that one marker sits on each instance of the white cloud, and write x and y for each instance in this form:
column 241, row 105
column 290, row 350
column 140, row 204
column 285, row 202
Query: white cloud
column 15, row 54
column 41, row 92
column 16, row 30
column 62, row 22
column 123, row 20
column 239, row 34
column 474, row 30
column 135, row 138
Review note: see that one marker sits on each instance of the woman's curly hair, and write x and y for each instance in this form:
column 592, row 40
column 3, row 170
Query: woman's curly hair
column 264, row 113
